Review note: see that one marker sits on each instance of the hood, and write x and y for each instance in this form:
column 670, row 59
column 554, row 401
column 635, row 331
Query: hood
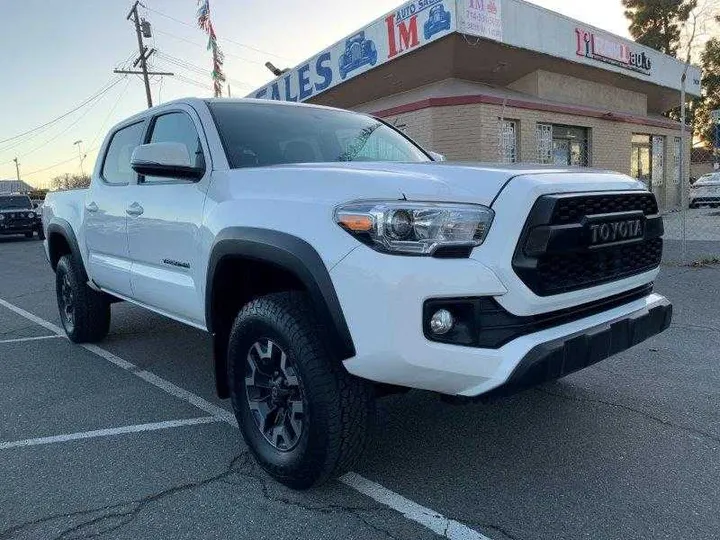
column 432, row 181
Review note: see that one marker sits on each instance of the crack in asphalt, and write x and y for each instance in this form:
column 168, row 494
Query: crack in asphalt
column 117, row 516
column 640, row 412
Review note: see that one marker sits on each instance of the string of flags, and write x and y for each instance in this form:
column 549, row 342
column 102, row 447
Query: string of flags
column 204, row 22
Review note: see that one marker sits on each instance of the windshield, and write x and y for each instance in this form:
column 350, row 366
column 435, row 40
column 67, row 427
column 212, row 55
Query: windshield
column 258, row 134
column 15, row 202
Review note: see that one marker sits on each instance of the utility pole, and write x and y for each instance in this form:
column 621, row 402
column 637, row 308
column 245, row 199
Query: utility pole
column 17, row 171
column 80, row 155
column 142, row 28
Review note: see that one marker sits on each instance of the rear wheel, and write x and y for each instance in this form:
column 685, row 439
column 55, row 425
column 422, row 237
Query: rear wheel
column 303, row 416
column 85, row 313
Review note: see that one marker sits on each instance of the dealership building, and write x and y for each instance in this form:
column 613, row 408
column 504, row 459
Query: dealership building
column 507, row 81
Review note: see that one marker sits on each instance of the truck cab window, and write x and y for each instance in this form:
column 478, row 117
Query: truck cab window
column 177, row 127
column 116, row 167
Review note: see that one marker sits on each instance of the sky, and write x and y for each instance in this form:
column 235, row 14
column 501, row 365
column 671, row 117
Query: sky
column 56, row 54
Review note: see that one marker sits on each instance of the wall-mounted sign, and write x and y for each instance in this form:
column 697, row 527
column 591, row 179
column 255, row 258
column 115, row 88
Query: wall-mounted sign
column 610, row 51
column 407, row 28
column 481, row 18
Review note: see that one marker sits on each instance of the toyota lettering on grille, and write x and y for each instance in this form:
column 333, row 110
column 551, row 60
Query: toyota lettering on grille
column 615, row 231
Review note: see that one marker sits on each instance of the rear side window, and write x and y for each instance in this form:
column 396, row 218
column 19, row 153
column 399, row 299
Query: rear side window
column 116, row 167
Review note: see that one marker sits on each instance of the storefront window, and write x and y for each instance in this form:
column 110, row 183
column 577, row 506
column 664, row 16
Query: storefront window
column 563, row 145
column 658, row 161
column 676, row 160
column 641, row 160
column 543, row 134
column 507, row 141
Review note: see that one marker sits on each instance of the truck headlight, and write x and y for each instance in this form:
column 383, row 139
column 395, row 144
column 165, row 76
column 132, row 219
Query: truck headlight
column 410, row 228
column 31, row 215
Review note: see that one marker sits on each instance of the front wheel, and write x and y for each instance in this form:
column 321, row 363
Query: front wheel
column 29, row 234
column 303, row 416
column 85, row 313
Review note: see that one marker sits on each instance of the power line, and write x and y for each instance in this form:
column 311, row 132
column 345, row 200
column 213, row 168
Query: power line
column 222, row 40
column 203, row 46
column 25, row 175
column 194, row 82
column 96, row 100
column 111, row 83
column 193, row 67
column 100, row 132
column 109, row 114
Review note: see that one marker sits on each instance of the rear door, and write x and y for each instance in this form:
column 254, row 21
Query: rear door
column 165, row 221
column 105, row 211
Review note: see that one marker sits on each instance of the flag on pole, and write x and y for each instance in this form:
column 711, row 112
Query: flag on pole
column 204, row 22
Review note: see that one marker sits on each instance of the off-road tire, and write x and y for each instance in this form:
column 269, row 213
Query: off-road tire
column 91, row 309
column 339, row 408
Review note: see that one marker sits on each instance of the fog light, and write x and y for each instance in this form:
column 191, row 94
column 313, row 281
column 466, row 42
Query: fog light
column 441, row 322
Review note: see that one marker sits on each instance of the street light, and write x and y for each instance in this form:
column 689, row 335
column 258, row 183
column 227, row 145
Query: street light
column 275, row 71
column 78, row 143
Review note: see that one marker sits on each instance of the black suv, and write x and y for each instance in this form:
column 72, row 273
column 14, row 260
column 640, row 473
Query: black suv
column 18, row 216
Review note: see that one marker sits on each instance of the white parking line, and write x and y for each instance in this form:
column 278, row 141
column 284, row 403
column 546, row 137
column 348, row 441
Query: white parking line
column 439, row 524
column 109, row 432
column 153, row 379
column 22, row 340
column 413, row 511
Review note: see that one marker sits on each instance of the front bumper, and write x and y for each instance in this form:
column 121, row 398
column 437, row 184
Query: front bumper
column 17, row 228
column 554, row 359
column 383, row 296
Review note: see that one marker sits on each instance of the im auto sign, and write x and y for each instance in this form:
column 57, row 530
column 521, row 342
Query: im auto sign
column 405, row 29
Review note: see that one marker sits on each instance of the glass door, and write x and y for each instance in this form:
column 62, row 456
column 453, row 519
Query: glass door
column 641, row 159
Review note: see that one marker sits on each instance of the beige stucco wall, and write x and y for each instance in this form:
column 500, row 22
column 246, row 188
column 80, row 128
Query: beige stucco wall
column 574, row 91
column 470, row 133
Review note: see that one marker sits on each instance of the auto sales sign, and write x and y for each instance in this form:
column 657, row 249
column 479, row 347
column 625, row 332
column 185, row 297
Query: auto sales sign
column 407, row 28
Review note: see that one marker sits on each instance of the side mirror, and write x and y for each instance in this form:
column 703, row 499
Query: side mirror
column 166, row 159
column 436, row 157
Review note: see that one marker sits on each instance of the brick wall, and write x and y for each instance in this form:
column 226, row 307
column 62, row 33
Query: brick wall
column 470, row 133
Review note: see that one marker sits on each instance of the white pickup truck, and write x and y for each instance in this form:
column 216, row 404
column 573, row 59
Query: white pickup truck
column 333, row 260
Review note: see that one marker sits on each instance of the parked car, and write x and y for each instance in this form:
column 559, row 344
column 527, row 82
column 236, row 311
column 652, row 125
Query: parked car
column 438, row 20
column 18, row 216
column 359, row 52
column 333, row 268
column 706, row 191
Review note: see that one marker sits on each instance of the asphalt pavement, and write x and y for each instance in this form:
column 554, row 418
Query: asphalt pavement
column 129, row 441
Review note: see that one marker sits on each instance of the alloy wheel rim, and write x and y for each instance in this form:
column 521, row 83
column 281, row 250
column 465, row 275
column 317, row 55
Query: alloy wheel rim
column 274, row 395
column 68, row 304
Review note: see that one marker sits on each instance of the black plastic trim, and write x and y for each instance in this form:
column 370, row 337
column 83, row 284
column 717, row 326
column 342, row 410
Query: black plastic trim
column 544, row 234
column 486, row 324
column 63, row 228
column 554, row 359
column 294, row 255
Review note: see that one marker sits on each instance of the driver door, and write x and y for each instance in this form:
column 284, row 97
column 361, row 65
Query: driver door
column 164, row 224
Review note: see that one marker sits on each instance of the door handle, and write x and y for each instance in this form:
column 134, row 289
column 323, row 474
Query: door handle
column 91, row 207
column 134, row 210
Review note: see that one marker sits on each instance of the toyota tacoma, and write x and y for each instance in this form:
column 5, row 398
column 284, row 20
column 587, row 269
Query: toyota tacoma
column 334, row 260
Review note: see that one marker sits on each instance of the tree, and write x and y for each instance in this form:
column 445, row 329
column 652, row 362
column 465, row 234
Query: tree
column 710, row 101
column 70, row 181
column 657, row 23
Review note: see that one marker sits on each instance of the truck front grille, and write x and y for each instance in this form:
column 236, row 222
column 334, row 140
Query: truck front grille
column 556, row 255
